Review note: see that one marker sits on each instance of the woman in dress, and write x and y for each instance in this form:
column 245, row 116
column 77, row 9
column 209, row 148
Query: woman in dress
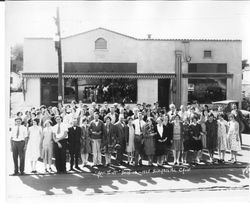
column 233, row 138
column 187, row 140
column 85, row 141
column 33, row 151
column 149, row 133
column 169, row 128
column 222, row 137
column 161, row 141
column 130, row 148
column 195, row 133
column 109, row 139
column 212, row 134
column 177, row 138
column 47, row 145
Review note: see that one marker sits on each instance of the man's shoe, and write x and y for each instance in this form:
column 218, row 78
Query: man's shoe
column 22, row 173
column 77, row 167
column 15, row 174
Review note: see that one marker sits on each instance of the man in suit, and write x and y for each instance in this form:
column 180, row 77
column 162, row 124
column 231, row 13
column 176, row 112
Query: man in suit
column 139, row 147
column 121, row 137
column 109, row 139
column 74, row 136
column 18, row 142
column 96, row 135
column 113, row 115
column 60, row 134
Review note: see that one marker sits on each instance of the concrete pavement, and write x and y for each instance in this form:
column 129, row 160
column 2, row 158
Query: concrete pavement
column 138, row 184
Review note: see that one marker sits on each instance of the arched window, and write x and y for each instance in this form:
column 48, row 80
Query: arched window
column 100, row 43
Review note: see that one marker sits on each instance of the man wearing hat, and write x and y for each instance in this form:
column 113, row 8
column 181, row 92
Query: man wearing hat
column 18, row 141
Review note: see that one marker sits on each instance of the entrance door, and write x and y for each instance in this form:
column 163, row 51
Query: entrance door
column 49, row 92
column 163, row 92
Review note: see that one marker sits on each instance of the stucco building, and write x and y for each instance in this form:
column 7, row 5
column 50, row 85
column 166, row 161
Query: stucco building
column 103, row 65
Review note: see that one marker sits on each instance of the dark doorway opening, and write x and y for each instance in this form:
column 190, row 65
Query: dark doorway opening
column 163, row 92
column 49, row 90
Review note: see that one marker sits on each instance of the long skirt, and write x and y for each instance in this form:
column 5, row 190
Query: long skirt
column 149, row 146
column 47, row 153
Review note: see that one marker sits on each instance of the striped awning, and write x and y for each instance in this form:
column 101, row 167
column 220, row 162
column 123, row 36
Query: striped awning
column 101, row 75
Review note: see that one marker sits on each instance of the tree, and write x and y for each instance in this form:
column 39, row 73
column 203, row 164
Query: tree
column 17, row 58
column 244, row 64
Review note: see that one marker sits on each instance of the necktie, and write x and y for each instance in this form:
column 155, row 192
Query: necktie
column 17, row 133
column 58, row 129
column 140, row 125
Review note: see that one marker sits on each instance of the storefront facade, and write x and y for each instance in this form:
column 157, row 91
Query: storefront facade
column 102, row 65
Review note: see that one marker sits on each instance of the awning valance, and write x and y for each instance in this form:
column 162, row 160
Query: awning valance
column 101, row 75
column 206, row 75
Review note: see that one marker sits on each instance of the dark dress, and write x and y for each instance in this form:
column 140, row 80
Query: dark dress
column 161, row 148
column 196, row 130
column 187, row 140
column 109, row 138
column 149, row 140
column 212, row 134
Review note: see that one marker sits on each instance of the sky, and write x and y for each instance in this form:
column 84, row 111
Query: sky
column 162, row 19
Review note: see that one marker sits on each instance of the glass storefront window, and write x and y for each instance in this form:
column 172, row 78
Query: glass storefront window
column 206, row 91
column 100, row 90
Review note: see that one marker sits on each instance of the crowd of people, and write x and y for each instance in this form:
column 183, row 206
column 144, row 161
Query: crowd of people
column 146, row 132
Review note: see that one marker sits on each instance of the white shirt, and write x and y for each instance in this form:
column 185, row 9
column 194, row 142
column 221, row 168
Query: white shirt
column 23, row 133
column 63, row 128
column 138, row 123
column 183, row 115
column 96, row 122
column 160, row 129
column 68, row 120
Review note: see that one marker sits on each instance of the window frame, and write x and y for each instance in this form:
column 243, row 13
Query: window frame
column 101, row 48
column 205, row 54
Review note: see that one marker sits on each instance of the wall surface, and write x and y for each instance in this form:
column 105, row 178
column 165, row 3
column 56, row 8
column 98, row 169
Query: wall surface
column 151, row 56
column 33, row 93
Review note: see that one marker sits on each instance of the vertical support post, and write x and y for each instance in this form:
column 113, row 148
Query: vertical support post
column 178, row 71
column 59, row 53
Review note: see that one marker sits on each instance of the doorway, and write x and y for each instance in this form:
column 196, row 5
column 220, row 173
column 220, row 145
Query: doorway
column 163, row 92
column 49, row 90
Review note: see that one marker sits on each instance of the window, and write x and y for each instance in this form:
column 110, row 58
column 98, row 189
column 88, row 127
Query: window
column 207, row 68
column 206, row 91
column 100, row 44
column 207, row 53
column 100, row 90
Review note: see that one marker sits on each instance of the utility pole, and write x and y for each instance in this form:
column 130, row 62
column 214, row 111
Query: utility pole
column 59, row 53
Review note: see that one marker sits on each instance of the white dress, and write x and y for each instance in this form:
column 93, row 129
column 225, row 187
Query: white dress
column 233, row 137
column 222, row 135
column 33, row 151
column 131, row 143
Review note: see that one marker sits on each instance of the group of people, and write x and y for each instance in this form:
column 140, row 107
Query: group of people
column 145, row 132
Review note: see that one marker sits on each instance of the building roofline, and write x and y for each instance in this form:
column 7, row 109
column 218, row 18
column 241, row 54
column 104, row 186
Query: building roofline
column 138, row 39
column 143, row 39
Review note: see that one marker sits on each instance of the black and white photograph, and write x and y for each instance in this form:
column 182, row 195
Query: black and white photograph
column 127, row 101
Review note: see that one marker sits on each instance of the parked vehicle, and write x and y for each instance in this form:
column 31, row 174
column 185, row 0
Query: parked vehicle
column 227, row 108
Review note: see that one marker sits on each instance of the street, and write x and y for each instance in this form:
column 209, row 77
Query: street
column 156, row 184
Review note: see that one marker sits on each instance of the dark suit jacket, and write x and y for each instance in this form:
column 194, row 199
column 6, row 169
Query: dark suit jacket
column 74, row 137
column 167, row 132
column 121, row 133
column 93, row 128
column 109, row 138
